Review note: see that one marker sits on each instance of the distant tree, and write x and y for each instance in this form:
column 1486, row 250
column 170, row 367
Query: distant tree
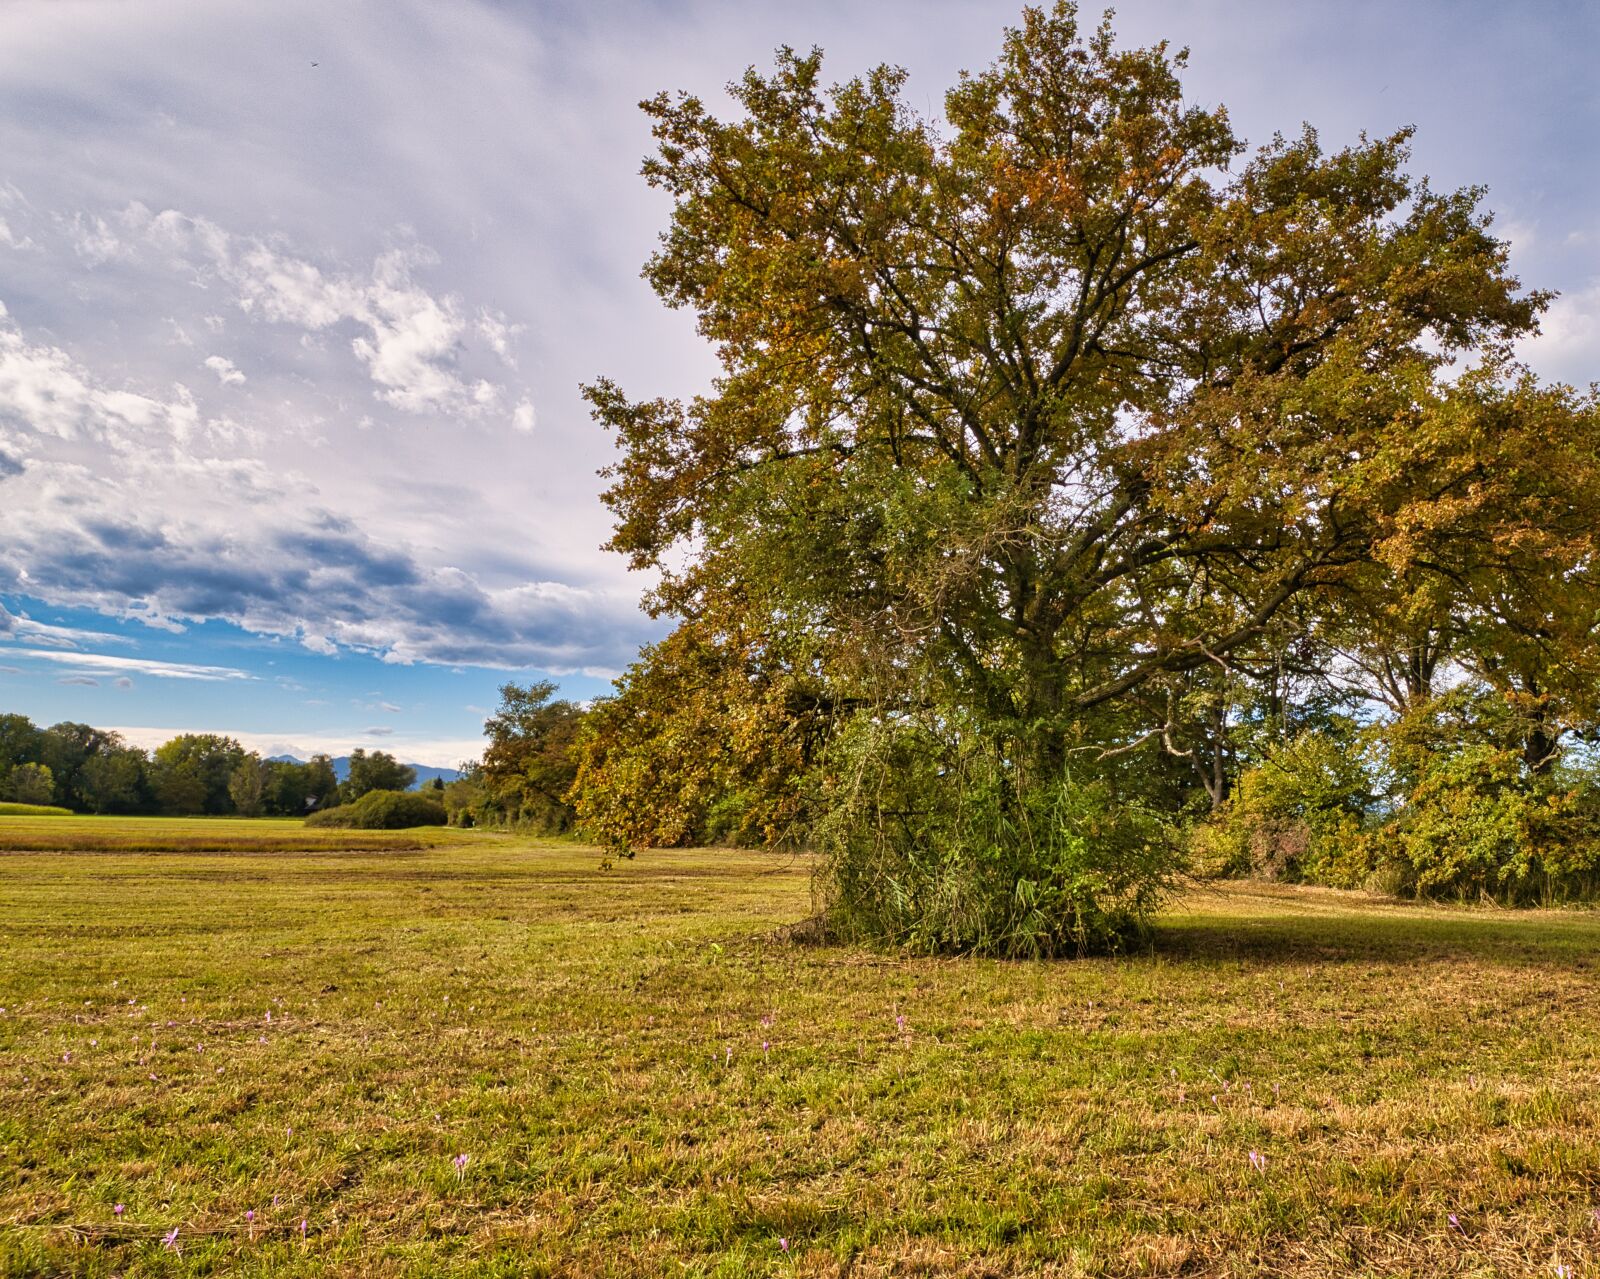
column 247, row 786
column 321, row 783
column 20, row 742
column 377, row 771
column 29, row 784
column 113, row 780
column 466, row 799
column 285, row 788
column 531, row 759
column 66, row 748
column 190, row 773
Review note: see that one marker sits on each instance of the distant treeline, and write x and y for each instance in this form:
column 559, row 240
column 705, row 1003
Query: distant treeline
column 91, row 770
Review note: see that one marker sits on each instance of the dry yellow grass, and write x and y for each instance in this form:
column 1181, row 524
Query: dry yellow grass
column 646, row 1080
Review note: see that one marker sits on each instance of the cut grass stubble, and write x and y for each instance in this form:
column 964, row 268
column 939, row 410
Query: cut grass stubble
column 644, row 1080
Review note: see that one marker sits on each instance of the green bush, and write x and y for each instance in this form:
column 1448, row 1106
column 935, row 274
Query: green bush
column 1477, row 825
column 1297, row 815
column 384, row 810
column 937, row 846
column 32, row 810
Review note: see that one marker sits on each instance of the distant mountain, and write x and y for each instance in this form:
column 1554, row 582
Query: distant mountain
column 341, row 769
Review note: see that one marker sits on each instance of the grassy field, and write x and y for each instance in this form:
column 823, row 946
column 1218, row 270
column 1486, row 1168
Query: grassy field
column 490, row 1058
column 200, row 835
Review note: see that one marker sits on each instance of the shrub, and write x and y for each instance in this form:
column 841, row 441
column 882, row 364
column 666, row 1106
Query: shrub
column 1476, row 825
column 942, row 846
column 1296, row 815
column 32, row 810
column 383, row 810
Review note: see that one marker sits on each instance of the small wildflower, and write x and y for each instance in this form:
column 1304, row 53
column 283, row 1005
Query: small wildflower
column 171, row 1241
column 460, row 1161
column 302, row 1229
column 783, row 1244
column 1455, row 1224
column 119, row 1209
column 765, row 1046
column 1258, row 1161
column 900, row 1022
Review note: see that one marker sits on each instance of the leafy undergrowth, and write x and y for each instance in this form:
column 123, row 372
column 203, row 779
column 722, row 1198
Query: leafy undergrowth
column 74, row 833
column 492, row 1059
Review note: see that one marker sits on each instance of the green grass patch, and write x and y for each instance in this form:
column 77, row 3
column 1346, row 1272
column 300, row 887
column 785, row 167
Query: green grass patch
column 81, row 834
column 9, row 809
column 647, row 1078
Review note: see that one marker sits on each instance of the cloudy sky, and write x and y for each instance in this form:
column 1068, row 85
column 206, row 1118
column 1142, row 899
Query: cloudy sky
column 297, row 297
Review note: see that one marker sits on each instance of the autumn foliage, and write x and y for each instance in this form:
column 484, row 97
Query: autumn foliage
column 1075, row 457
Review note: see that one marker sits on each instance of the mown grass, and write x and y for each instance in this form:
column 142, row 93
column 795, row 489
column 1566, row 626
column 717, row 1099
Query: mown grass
column 84, row 834
column 647, row 1079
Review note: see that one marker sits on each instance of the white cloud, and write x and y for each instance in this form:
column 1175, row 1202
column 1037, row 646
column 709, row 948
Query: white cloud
column 499, row 333
column 1568, row 344
column 225, row 371
column 44, row 390
column 134, row 665
column 23, row 629
column 11, row 240
column 412, row 339
column 524, row 419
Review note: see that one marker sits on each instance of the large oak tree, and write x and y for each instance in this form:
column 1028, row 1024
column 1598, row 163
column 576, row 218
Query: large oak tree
column 1038, row 414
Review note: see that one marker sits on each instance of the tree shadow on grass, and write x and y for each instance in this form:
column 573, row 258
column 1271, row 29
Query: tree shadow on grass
column 1276, row 925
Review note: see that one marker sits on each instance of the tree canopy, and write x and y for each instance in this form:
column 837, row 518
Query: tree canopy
column 1051, row 433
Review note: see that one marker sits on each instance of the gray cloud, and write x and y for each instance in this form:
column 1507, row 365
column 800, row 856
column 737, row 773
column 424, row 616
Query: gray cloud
column 328, row 585
column 87, row 681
